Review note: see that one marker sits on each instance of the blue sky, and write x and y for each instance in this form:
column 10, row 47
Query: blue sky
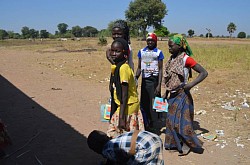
column 182, row 14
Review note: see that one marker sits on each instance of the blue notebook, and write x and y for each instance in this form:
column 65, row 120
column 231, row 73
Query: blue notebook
column 105, row 112
column 160, row 105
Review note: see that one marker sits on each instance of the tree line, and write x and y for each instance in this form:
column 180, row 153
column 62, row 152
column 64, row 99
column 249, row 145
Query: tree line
column 140, row 15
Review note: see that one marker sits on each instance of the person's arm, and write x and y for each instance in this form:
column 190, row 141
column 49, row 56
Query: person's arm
column 138, row 71
column 109, row 57
column 130, row 60
column 202, row 75
column 122, row 157
column 158, row 88
column 123, row 106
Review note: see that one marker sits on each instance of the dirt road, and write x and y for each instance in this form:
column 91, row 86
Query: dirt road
column 49, row 114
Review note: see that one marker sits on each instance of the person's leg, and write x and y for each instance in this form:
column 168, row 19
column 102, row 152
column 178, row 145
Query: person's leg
column 150, row 89
column 145, row 103
column 186, row 132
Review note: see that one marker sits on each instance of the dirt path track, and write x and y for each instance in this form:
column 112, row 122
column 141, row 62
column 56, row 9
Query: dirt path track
column 49, row 114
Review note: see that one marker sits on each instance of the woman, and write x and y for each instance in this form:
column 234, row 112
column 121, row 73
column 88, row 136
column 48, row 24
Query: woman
column 150, row 62
column 179, row 123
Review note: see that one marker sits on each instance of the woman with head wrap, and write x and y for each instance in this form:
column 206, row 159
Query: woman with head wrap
column 127, row 116
column 150, row 62
column 179, row 123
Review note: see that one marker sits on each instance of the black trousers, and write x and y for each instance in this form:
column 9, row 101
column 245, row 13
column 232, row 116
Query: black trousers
column 148, row 87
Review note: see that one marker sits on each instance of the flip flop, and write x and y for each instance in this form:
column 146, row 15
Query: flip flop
column 185, row 150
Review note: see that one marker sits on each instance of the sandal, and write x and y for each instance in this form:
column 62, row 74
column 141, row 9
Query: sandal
column 185, row 150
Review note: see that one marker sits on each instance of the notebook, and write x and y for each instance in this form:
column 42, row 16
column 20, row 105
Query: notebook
column 160, row 104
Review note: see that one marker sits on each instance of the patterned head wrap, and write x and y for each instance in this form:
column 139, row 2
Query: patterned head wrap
column 180, row 40
column 124, row 26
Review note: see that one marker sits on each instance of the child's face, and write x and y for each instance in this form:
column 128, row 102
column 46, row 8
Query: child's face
column 117, row 33
column 173, row 48
column 117, row 52
column 151, row 44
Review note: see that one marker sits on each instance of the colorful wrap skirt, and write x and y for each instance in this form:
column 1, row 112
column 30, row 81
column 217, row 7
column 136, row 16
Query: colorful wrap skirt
column 179, row 122
column 134, row 121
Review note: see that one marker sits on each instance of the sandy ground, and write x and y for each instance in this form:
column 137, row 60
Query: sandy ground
column 49, row 114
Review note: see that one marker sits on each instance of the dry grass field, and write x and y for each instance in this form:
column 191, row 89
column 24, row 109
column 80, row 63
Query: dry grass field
column 51, row 91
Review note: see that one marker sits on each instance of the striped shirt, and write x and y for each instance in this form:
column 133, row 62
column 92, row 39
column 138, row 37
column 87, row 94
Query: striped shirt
column 148, row 148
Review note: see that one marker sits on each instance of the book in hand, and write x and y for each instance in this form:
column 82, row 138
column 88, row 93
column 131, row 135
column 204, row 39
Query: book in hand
column 105, row 112
column 160, row 104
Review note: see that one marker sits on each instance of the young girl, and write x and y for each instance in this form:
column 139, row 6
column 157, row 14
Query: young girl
column 150, row 62
column 180, row 116
column 120, row 29
column 127, row 116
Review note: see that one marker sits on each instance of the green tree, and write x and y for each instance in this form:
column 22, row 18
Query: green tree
column 34, row 33
column 44, row 34
column 62, row 27
column 12, row 34
column 102, row 40
column 190, row 32
column 231, row 28
column 3, row 34
column 145, row 13
column 210, row 35
column 162, row 31
column 104, row 33
column 25, row 32
column 89, row 31
column 242, row 35
column 76, row 31
column 110, row 25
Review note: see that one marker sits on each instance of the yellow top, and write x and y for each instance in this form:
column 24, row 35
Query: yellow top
column 127, row 75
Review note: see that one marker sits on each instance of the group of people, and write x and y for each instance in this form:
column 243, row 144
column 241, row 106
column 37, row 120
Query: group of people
column 129, row 113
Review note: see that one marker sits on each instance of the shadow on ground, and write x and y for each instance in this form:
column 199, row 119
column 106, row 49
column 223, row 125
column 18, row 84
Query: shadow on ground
column 38, row 136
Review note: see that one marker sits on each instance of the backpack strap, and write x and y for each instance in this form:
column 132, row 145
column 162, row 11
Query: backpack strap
column 133, row 142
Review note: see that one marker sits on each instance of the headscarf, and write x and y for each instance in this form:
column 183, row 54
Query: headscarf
column 180, row 40
column 152, row 36
column 124, row 26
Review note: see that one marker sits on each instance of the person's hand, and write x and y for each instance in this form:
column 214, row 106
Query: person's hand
column 158, row 91
column 187, row 87
column 136, row 82
column 108, row 56
column 165, row 96
column 121, row 124
column 122, row 156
